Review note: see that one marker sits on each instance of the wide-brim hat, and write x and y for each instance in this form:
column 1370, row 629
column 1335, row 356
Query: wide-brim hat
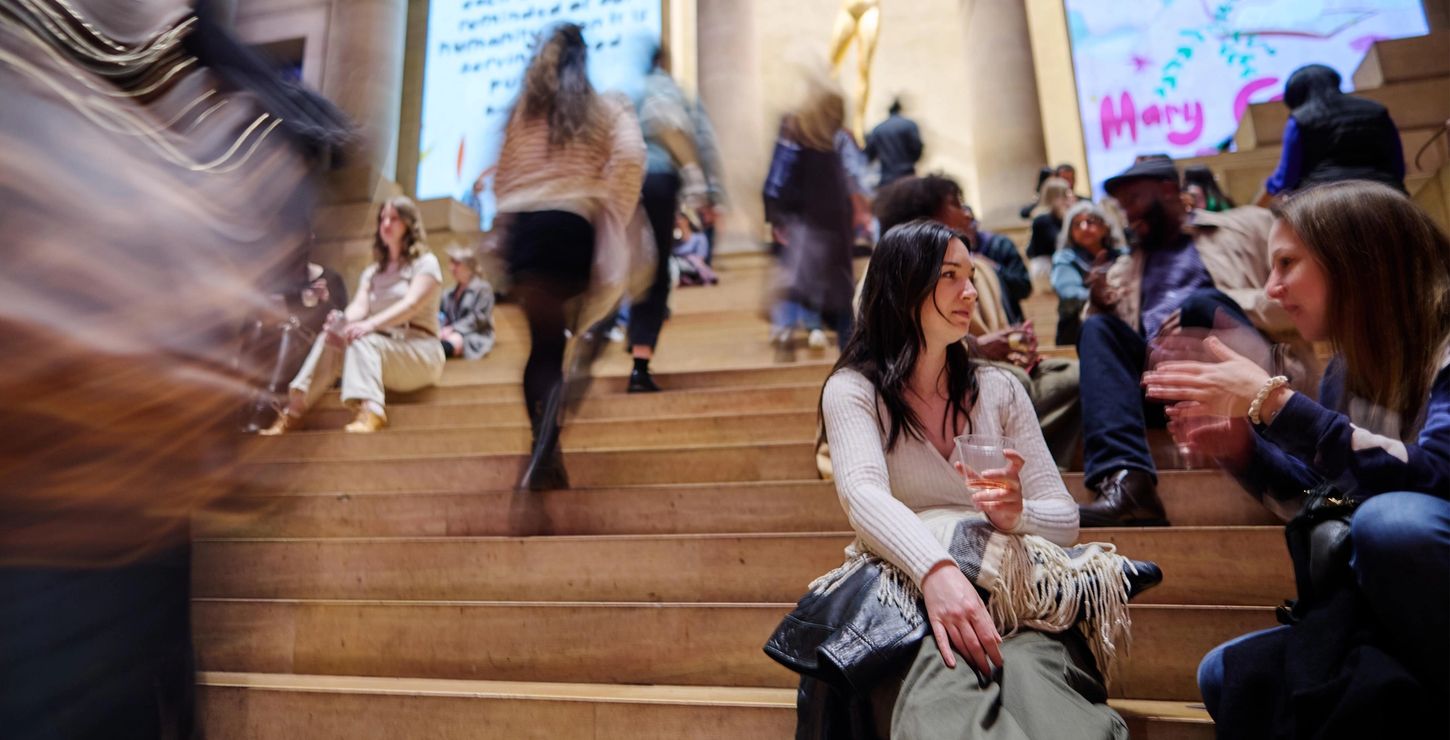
column 1154, row 168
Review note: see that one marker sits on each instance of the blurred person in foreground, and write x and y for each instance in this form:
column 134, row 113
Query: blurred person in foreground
column 568, row 181
column 808, row 204
column 387, row 338
column 1366, row 468
column 674, row 169
column 142, row 228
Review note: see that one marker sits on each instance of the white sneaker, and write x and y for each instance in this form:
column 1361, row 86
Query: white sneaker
column 817, row 339
column 616, row 335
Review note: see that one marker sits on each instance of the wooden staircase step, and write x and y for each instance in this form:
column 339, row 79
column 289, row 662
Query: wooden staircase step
column 1204, row 497
column 514, row 437
column 1192, row 498
column 459, row 384
column 1211, row 565
column 367, row 708
column 687, row 644
column 752, row 506
column 795, row 397
column 1398, row 60
column 240, row 705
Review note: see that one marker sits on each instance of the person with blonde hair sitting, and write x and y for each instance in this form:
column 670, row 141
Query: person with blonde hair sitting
column 388, row 336
column 467, row 310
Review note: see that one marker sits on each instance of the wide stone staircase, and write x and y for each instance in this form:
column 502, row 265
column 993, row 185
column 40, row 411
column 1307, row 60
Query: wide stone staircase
column 381, row 595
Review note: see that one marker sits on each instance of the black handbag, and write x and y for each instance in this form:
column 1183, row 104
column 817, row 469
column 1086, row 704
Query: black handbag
column 1318, row 540
column 846, row 636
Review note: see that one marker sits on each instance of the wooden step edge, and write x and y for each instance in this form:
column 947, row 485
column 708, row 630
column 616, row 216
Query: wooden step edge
column 781, row 606
column 441, row 457
column 741, row 696
column 643, row 488
column 717, row 696
column 666, row 393
column 665, row 374
column 507, row 426
column 693, row 536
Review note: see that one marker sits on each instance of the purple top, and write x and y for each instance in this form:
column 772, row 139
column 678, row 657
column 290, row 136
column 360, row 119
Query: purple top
column 1170, row 275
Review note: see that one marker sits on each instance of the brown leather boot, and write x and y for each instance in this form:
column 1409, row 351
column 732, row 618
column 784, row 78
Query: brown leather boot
column 1126, row 498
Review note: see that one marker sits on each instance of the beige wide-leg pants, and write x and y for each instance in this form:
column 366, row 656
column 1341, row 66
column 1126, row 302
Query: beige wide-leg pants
column 370, row 365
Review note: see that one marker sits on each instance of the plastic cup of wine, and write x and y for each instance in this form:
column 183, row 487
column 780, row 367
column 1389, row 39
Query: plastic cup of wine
column 983, row 452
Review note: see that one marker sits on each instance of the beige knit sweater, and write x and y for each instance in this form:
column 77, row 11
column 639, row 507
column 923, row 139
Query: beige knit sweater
column 884, row 492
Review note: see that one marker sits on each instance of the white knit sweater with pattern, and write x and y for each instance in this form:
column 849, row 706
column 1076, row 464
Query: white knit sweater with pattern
column 883, row 492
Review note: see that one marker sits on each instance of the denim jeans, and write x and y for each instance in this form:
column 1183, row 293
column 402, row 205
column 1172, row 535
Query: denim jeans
column 787, row 314
column 1401, row 562
column 1115, row 412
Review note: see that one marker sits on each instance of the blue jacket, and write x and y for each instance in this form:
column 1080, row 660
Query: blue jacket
column 1308, row 443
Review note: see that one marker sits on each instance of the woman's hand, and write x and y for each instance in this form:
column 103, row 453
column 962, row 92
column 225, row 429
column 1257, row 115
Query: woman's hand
column 959, row 619
column 1224, row 388
column 358, row 329
column 1230, row 442
column 998, row 492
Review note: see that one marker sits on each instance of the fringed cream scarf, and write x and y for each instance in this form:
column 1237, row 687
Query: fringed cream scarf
column 1033, row 583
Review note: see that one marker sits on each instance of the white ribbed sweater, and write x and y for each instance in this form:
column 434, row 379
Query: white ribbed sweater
column 882, row 492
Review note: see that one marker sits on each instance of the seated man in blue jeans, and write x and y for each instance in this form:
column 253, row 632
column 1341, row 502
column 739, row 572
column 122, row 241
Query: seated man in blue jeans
column 1186, row 273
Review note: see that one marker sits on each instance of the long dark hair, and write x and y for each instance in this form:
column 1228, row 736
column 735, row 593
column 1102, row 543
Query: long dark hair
column 1388, row 267
column 556, row 87
column 888, row 336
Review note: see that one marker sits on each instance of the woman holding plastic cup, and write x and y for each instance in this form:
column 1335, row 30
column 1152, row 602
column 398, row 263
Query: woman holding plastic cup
column 944, row 475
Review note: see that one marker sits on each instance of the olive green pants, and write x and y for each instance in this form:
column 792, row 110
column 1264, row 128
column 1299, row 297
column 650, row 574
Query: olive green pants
column 1049, row 690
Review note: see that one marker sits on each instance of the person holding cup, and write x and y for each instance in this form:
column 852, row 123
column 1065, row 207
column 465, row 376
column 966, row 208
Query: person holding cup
column 943, row 472
column 1379, row 434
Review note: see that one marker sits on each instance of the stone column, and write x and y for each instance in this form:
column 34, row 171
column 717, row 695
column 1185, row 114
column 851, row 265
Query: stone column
column 730, row 87
column 1005, row 119
column 364, row 74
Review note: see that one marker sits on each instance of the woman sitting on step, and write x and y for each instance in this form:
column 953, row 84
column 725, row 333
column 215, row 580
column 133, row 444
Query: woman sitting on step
column 983, row 550
column 387, row 337
column 1359, row 265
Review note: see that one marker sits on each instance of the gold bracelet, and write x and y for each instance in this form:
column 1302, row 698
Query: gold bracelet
column 1270, row 385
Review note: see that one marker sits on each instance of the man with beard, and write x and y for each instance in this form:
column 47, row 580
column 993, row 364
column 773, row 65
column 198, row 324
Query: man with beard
column 1181, row 276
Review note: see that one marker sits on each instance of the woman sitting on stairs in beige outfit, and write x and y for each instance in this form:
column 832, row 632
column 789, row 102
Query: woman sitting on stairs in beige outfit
column 986, row 552
column 387, row 337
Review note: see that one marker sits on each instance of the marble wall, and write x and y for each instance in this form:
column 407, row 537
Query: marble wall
column 962, row 67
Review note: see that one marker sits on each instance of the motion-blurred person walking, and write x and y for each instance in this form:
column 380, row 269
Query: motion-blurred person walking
column 569, row 171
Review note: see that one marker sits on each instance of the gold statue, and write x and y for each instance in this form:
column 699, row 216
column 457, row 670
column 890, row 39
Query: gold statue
column 859, row 21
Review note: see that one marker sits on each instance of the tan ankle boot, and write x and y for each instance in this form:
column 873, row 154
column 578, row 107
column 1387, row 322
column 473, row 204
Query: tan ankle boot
column 366, row 423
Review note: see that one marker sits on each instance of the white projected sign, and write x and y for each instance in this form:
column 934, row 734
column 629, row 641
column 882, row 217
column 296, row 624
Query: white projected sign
column 1174, row 76
column 477, row 52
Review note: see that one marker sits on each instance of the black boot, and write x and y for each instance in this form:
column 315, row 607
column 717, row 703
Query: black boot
column 1142, row 575
column 640, row 381
column 1126, row 498
column 545, row 468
